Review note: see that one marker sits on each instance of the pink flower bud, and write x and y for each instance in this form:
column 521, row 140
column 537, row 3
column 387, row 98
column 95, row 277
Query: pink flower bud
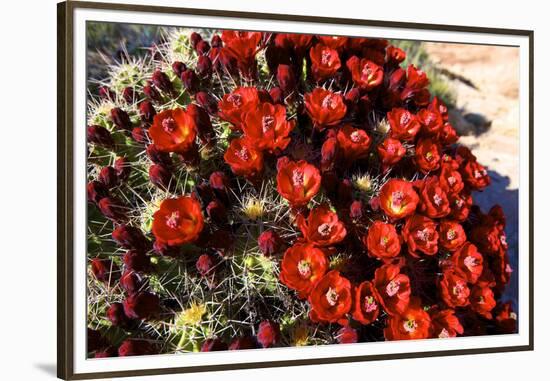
column 157, row 156
column 195, row 39
column 129, row 94
column 151, row 92
column 269, row 333
column 203, row 47
column 140, row 135
column 104, row 270
column 116, row 315
column 131, row 238
column 131, row 282
column 347, row 335
column 204, row 67
column 205, row 264
column 143, row 305
column 137, row 261
column 270, row 243
column 190, row 81
column 286, row 78
column 216, row 211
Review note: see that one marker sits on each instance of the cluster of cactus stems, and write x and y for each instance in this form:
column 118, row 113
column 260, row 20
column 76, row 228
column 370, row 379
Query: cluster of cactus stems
column 224, row 289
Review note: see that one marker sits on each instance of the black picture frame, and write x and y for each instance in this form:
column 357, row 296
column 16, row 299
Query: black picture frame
column 65, row 176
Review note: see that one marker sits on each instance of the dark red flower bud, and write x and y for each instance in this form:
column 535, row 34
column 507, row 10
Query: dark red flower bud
column 143, row 305
column 162, row 82
column 129, row 94
column 113, row 209
column 216, row 211
column 270, row 243
column 277, row 95
column 146, row 111
column 207, row 102
column 157, row 156
column 345, row 191
column 214, row 344
column 131, row 347
column 106, row 352
column 168, row 251
column 116, row 315
column 204, row 192
column 195, row 39
column 219, row 181
column 352, row 96
column 216, row 41
column 108, row 177
column 190, row 81
column 151, row 92
column 205, row 130
column 121, row 119
column 356, row 210
column 204, row 67
column 137, row 261
column 269, row 333
column 160, row 176
column 104, row 270
column 106, row 93
column 99, row 135
column 123, row 168
column 96, row 191
column 205, row 264
column 131, row 282
column 178, row 68
column 140, row 135
column 347, row 335
column 203, row 47
column 245, row 342
column 286, row 78
column 131, row 238
column 329, row 154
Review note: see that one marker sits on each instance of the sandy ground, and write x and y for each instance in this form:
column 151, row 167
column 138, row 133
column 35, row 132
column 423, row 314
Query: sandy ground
column 487, row 117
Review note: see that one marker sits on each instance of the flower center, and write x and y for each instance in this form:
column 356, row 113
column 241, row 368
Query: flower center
column 243, row 154
column 451, row 234
column 397, row 199
column 304, row 268
column 267, row 122
column 459, row 202
column 503, row 240
column 423, row 234
column 326, row 57
column 479, row 174
column 369, row 304
column 384, row 241
column 355, row 136
column 173, row 220
column 297, row 177
column 470, row 262
column 367, row 73
column 169, row 124
column 458, row 288
column 405, row 118
column 236, row 99
column 429, row 156
column 437, row 199
column 444, row 334
column 332, row 296
column 328, row 102
column 392, row 287
column 324, row 229
column 410, row 325
column 451, row 180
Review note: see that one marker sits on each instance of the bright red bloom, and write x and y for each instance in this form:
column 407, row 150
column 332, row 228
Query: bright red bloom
column 482, row 301
column 325, row 108
column 269, row 333
column 395, row 55
column 234, row 106
column 302, row 267
column 297, row 181
column 431, row 121
column 433, row 199
column 450, row 178
column 391, row 151
column 398, row 198
column 365, row 306
column 243, row 158
column 382, row 240
column 331, row 298
column 404, row 125
column 475, row 175
column 427, row 155
column 266, row 127
column 322, row 227
column 300, row 43
column 454, row 289
column 243, row 46
column 421, row 235
column 451, row 235
column 506, row 318
column 354, row 142
column 448, row 135
column 325, row 62
column 365, row 74
column 392, row 288
column 445, row 324
column 178, row 221
column 468, row 263
column 334, row 42
column 460, row 205
column 173, row 131
column 413, row 324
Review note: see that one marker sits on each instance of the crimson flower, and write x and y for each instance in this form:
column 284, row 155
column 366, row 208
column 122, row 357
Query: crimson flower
column 266, row 127
column 173, row 131
column 297, row 181
column 445, row 323
column 325, row 108
column 365, row 74
column 302, row 266
column 391, row 151
column 243, row 158
column 325, row 62
column 353, row 142
column 468, row 262
column 322, row 227
column 421, row 235
column 454, row 290
column 433, row 199
column 365, row 306
column 427, row 155
column 331, row 299
column 413, row 324
column 451, row 235
column 234, row 106
column 404, row 125
column 178, row 221
column 398, row 198
column 482, row 301
column 392, row 288
column 382, row 240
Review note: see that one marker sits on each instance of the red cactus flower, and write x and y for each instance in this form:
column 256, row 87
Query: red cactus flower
column 468, row 262
column 117, row 317
column 266, row 127
column 365, row 305
column 431, row 121
column 451, row 235
column 354, row 143
column 475, row 175
column 482, row 301
column 325, row 108
column 413, row 324
column 331, row 299
column 454, row 290
column 392, row 288
column 104, row 270
column 302, row 266
column 325, row 62
column 243, row 46
column 450, row 178
column 347, row 335
column 269, row 333
column 270, row 243
column 394, row 55
column 398, row 198
column 427, row 155
column 382, row 241
column 173, row 131
column 404, row 125
column 334, row 42
column 445, row 323
column 365, row 74
column 322, row 227
column 421, row 235
column 234, row 106
column 297, row 181
column 433, row 199
column 243, row 158
column 178, row 221
column 391, row 151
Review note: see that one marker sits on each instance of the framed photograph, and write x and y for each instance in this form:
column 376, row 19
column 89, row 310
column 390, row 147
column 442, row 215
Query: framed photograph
column 242, row 190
